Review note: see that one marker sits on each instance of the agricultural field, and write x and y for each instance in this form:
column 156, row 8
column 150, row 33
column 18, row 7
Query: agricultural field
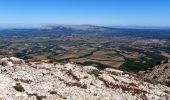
column 103, row 49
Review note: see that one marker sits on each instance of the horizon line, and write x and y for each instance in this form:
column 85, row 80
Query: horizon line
column 39, row 25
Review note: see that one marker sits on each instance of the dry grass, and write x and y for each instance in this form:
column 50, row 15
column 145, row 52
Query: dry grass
column 94, row 72
column 132, row 88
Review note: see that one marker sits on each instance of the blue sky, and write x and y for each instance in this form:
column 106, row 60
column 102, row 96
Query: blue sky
column 99, row 12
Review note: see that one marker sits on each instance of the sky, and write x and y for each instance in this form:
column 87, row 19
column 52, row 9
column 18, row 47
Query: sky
column 96, row 12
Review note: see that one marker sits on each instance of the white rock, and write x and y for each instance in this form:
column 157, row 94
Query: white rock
column 72, row 82
column 15, row 60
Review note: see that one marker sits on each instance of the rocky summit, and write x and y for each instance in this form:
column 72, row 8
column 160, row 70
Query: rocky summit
column 49, row 81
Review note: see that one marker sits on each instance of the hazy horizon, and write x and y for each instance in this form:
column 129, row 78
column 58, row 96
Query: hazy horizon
column 95, row 12
column 23, row 25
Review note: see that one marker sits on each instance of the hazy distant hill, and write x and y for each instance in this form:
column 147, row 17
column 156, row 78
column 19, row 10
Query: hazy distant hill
column 76, row 27
column 48, row 30
column 140, row 27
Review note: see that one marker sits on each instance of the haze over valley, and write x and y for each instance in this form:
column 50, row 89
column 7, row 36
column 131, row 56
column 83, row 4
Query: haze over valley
column 84, row 50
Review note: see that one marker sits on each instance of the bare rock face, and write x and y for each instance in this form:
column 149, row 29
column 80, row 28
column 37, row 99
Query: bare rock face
column 10, row 61
column 159, row 73
column 47, row 81
column 15, row 60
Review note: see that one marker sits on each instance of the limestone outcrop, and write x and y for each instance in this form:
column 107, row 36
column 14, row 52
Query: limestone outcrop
column 48, row 81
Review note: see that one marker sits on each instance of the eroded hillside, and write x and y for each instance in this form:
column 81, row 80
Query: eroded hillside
column 159, row 73
column 49, row 81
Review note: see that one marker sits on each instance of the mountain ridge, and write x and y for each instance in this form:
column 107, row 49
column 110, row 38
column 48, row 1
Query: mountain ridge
column 22, row 80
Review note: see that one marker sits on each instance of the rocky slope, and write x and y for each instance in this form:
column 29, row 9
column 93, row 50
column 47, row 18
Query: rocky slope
column 47, row 81
column 159, row 73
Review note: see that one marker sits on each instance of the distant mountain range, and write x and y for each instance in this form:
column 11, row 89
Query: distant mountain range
column 140, row 27
column 157, row 33
column 95, row 27
column 76, row 27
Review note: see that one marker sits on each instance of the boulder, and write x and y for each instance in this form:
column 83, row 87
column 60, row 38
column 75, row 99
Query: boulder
column 3, row 60
column 15, row 60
